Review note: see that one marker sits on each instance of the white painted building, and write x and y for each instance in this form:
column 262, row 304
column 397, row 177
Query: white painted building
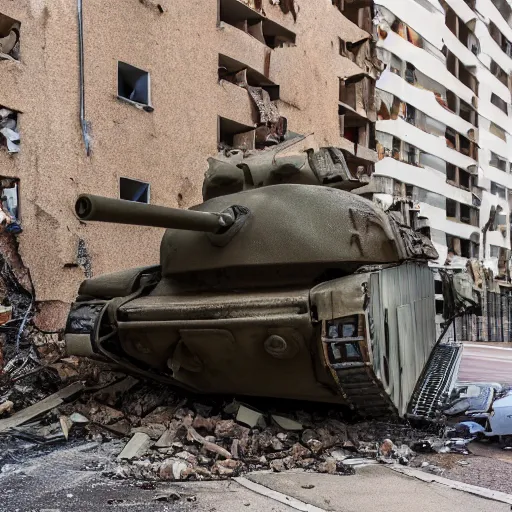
column 444, row 123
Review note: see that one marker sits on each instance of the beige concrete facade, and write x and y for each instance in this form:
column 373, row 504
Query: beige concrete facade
column 166, row 148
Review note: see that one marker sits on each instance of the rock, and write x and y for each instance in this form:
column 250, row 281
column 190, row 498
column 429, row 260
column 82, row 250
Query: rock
column 315, row 446
column 277, row 465
column 173, row 469
column 277, row 445
column 299, row 452
column 289, row 462
column 136, row 447
column 202, row 472
column 339, row 455
column 264, row 440
column 153, row 430
column 307, row 435
column 387, row 448
column 286, row 423
column 424, row 464
column 6, row 407
column 187, row 456
column 231, row 408
column 226, row 428
column 234, row 448
column 103, row 414
column 112, row 393
column 281, row 436
column 161, row 416
column 205, row 424
column 327, row 440
column 202, row 410
column 225, row 467
column 349, row 446
column 249, row 417
column 329, row 466
column 78, row 419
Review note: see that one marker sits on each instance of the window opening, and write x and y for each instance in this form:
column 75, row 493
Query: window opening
column 9, row 38
column 134, row 190
column 9, row 133
column 133, row 85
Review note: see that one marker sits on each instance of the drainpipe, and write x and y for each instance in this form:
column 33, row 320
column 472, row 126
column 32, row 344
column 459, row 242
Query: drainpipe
column 83, row 122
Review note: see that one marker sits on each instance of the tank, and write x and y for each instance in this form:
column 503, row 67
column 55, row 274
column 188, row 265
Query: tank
column 282, row 283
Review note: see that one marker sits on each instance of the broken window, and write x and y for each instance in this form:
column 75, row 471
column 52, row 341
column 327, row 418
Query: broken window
column 9, row 38
column 451, row 140
column 451, row 173
column 9, row 133
column 451, row 208
column 348, row 93
column 396, row 65
column 409, row 73
column 410, row 113
column 133, row 85
column 240, row 74
column 397, row 148
column 467, row 78
column 498, row 102
column 465, row 248
column 498, row 131
column 495, row 251
column 467, row 112
column 134, row 190
column 465, row 213
column 464, row 179
column 252, row 21
column 499, row 73
column 497, row 161
column 235, row 135
column 498, row 190
column 9, row 206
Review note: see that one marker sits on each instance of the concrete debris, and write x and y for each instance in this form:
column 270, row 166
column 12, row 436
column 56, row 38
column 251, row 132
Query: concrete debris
column 42, row 407
column 250, row 417
column 136, row 447
column 6, row 407
column 287, row 423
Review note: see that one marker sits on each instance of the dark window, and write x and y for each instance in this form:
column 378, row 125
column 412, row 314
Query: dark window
column 409, row 73
column 465, row 248
column 498, row 190
column 465, row 214
column 497, row 161
column 410, row 114
column 451, row 208
column 133, row 84
column 10, row 37
column 464, row 179
column 134, row 190
column 498, row 102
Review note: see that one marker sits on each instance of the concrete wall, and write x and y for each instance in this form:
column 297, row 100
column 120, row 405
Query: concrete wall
column 167, row 147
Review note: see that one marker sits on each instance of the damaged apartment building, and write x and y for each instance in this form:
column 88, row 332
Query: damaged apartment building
column 133, row 106
column 443, row 140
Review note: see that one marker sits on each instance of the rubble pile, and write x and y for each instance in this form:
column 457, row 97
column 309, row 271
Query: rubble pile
column 170, row 436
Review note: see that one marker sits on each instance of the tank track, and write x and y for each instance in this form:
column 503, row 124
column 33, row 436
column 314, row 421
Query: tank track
column 363, row 391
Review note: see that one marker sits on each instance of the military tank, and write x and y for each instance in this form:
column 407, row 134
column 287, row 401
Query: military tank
column 280, row 284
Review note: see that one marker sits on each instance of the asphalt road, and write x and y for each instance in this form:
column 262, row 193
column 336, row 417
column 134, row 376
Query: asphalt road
column 484, row 362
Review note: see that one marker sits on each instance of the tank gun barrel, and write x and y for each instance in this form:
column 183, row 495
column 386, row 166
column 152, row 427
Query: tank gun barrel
column 119, row 211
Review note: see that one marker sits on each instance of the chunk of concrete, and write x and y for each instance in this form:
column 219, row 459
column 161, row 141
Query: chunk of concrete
column 248, row 417
column 286, row 423
column 136, row 447
column 41, row 407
